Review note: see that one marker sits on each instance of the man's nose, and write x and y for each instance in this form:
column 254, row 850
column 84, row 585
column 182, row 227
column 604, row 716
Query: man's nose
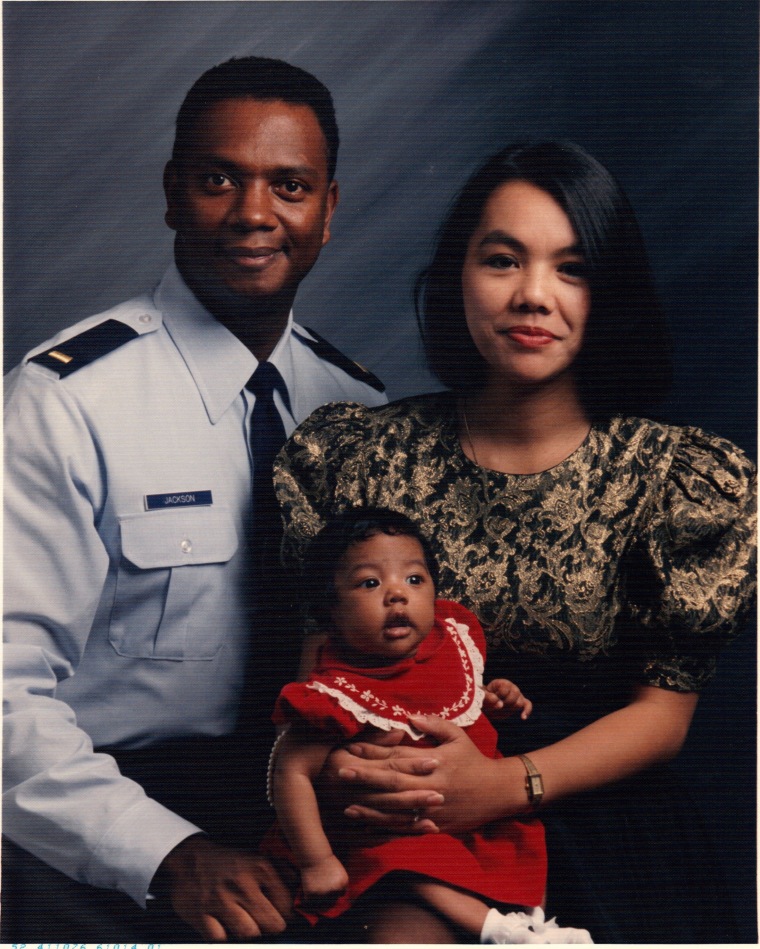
column 254, row 208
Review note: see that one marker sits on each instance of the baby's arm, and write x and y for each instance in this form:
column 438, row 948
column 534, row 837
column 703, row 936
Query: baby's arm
column 298, row 761
column 503, row 699
column 311, row 646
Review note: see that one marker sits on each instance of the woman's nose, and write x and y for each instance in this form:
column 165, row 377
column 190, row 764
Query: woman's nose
column 254, row 208
column 533, row 293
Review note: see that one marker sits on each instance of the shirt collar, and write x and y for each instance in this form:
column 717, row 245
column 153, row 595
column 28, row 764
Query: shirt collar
column 216, row 359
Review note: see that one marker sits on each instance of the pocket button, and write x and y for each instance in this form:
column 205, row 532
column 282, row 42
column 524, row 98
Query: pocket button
column 186, row 546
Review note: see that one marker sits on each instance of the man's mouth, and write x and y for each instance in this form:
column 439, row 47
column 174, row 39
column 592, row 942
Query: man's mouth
column 253, row 258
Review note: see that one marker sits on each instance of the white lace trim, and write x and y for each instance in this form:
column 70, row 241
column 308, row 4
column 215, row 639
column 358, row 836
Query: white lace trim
column 387, row 717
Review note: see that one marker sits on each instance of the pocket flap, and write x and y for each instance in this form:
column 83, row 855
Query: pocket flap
column 177, row 538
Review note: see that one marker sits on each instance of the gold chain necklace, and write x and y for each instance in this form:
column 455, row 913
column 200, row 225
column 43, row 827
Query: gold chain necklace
column 484, row 477
column 469, row 436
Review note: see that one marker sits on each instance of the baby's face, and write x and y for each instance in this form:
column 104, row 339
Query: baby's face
column 384, row 599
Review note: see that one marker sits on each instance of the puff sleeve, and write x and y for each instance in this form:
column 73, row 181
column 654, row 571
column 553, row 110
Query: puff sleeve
column 323, row 460
column 300, row 702
column 693, row 569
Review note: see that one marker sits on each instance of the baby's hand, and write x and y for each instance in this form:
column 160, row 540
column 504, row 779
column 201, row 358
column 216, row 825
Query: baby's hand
column 503, row 699
column 323, row 882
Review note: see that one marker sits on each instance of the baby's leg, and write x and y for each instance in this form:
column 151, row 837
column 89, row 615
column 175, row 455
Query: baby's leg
column 463, row 909
column 523, row 925
column 399, row 923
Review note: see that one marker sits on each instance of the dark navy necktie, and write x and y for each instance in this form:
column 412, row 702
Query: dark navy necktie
column 267, row 438
column 271, row 662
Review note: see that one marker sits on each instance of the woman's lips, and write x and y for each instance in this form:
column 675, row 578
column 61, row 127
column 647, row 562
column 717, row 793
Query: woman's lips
column 530, row 337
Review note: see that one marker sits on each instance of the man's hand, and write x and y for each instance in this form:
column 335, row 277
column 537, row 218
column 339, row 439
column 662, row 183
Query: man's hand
column 225, row 894
column 502, row 699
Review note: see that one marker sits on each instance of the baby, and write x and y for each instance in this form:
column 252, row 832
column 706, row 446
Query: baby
column 392, row 651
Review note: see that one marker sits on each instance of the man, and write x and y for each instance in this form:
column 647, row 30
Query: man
column 135, row 578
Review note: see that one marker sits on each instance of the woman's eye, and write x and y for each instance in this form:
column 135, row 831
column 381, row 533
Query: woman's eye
column 500, row 262
column 576, row 269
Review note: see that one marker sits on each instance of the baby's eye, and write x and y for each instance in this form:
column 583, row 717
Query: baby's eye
column 416, row 579
column 369, row 583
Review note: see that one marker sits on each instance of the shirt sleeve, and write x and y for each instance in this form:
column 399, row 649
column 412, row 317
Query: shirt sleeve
column 691, row 578
column 62, row 802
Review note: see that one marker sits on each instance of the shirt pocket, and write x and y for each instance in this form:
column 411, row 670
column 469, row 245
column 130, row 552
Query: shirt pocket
column 167, row 583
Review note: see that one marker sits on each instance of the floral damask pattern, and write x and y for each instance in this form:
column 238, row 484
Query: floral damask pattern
column 645, row 526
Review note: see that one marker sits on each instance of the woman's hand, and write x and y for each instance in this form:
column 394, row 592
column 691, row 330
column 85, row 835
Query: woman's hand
column 451, row 788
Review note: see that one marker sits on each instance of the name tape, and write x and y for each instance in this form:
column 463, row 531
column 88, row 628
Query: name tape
column 154, row 502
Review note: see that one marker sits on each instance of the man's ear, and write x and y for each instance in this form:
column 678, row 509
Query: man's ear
column 172, row 191
column 331, row 204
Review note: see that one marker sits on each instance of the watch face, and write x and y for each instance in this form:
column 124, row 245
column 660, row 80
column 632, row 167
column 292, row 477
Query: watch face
column 535, row 786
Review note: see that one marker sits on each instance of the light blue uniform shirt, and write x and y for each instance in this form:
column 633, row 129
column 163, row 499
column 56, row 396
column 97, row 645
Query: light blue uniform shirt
column 126, row 626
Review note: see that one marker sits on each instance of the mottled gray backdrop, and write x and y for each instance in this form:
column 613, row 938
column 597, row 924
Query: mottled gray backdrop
column 664, row 93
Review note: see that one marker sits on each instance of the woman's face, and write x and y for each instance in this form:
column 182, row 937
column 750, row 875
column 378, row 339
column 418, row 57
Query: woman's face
column 526, row 295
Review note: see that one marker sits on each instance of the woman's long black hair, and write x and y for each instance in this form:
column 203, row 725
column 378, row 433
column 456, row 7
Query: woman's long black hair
column 625, row 364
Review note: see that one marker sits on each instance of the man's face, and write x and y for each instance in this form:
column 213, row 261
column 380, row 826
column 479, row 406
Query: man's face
column 250, row 200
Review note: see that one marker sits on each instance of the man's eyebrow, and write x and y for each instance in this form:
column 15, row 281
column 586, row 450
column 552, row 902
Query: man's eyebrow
column 503, row 238
column 276, row 171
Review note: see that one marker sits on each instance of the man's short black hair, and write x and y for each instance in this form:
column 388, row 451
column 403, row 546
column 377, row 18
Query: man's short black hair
column 324, row 553
column 263, row 79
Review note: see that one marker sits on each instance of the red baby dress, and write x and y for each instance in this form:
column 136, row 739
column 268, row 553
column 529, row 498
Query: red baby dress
column 504, row 861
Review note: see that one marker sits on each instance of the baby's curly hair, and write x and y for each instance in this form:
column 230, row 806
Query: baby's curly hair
column 324, row 553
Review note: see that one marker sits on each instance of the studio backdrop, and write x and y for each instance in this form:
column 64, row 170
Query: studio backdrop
column 663, row 93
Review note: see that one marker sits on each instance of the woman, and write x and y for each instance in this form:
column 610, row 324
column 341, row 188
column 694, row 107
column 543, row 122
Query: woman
column 607, row 556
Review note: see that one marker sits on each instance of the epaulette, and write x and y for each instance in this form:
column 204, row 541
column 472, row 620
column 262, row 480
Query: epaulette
column 328, row 352
column 85, row 348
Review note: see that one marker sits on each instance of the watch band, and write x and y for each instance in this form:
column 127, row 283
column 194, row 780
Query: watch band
column 534, row 783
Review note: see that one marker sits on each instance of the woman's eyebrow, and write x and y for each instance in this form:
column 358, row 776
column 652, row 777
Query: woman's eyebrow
column 503, row 238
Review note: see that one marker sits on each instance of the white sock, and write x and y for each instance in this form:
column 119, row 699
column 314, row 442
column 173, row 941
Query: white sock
column 519, row 928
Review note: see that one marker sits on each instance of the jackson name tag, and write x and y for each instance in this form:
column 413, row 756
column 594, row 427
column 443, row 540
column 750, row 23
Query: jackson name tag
column 155, row 502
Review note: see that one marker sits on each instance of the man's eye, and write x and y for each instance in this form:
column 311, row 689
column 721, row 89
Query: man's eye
column 293, row 188
column 216, row 180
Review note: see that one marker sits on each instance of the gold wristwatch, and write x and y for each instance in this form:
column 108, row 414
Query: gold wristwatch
column 534, row 783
